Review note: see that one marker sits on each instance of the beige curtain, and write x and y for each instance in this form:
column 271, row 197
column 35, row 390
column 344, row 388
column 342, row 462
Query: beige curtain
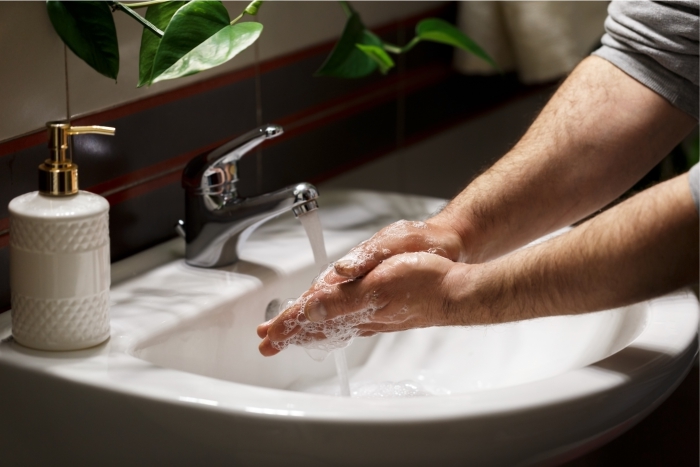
column 542, row 41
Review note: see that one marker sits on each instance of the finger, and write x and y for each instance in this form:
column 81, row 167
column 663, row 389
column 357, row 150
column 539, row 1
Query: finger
column 292, row 310
column 400, row 237
column 328, row 277
column 266, row 348
column 280, row 330
column 286, row 325
column 342, row 299
column 262, row 328
column 361, row 259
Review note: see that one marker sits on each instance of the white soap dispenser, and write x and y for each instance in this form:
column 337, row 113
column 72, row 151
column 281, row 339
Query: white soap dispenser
column 59, row 255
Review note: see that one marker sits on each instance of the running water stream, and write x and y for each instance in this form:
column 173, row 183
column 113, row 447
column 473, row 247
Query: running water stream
column 312, row 226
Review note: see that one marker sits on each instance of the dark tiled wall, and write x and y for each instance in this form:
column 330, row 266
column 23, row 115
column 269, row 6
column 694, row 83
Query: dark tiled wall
column 331, row 125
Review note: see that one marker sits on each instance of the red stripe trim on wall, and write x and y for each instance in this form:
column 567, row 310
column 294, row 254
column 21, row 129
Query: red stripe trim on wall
column 23, row 142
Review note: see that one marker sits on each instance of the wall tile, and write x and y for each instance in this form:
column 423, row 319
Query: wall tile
column 145, row 221
column 377, row 13
column 383, row 174
column 291, row 26
column 441, row 165
column 431, row 109
column 288, row 90
column 32, row 74
column 331, row 147
column 4, row 278
column 18, row 174
column 166, row 131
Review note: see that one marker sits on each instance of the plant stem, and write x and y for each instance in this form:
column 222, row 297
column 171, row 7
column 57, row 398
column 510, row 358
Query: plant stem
column 235, row 20
column 391, row 48
column 395, row 49
column 410, row 45
column 147, row 24
column 144, row 4
column 347, row 8
column 251, row 9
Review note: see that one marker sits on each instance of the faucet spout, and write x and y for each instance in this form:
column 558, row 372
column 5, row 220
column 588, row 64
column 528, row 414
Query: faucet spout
column 217, row 220
column 220, row 232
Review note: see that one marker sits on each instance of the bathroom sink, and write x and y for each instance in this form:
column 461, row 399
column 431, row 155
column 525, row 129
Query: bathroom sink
column 181, row 381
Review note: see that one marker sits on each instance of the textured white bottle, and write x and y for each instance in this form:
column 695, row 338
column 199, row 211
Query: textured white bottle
column 59, row 270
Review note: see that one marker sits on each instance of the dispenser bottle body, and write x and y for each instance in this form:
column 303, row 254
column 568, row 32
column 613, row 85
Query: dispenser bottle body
column 59, row 270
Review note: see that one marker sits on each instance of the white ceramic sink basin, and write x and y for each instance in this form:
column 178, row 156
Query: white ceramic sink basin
column 181, row 382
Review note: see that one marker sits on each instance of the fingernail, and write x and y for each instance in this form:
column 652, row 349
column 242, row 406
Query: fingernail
column 344, row 266
column 343, row 263
column 315, row 311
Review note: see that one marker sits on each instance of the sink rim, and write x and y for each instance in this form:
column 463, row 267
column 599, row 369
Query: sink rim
column 672, row 352
column 671, row 332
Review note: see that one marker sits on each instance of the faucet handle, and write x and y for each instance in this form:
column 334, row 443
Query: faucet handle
column 216, row 172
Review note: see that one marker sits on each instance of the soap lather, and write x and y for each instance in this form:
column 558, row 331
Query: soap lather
column 59, row 254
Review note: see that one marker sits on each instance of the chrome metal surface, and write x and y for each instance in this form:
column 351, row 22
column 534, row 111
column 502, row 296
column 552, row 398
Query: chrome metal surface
column 216, row 218
column 180, row 228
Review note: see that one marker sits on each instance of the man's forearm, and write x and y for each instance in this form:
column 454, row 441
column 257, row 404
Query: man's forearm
column 642, row 248
column 599, row 134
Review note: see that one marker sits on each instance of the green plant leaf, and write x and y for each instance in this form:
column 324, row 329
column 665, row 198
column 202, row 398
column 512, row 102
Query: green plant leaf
column 379, row 55
column 346, row 60
column 160, row 15
column 437, row 30
column 190, row 26
column 87, row 28
column 218, row 49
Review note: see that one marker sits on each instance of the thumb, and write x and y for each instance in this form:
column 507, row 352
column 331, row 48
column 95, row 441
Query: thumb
column 361, row 260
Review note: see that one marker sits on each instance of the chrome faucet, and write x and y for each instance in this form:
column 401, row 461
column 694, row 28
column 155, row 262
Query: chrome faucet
column 216, row 218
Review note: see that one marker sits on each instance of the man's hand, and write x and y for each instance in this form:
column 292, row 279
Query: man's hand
column 432, row 236
column 406, row 291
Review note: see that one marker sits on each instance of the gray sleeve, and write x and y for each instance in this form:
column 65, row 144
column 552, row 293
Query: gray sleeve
column 656, row 43
column 695, row 185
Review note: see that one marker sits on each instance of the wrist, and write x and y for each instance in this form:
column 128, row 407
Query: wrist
column 464, row 236
column 462, row 304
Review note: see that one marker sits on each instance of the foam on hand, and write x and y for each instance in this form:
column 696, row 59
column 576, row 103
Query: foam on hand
column 324, row 336
column 320, row 338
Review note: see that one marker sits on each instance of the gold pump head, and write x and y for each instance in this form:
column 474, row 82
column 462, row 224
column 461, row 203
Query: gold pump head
column 58, row 175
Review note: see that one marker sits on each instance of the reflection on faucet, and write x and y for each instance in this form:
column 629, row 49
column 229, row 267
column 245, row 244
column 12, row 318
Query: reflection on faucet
column 216, row 218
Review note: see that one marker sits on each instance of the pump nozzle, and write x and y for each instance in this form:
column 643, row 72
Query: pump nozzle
column 58, row 175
